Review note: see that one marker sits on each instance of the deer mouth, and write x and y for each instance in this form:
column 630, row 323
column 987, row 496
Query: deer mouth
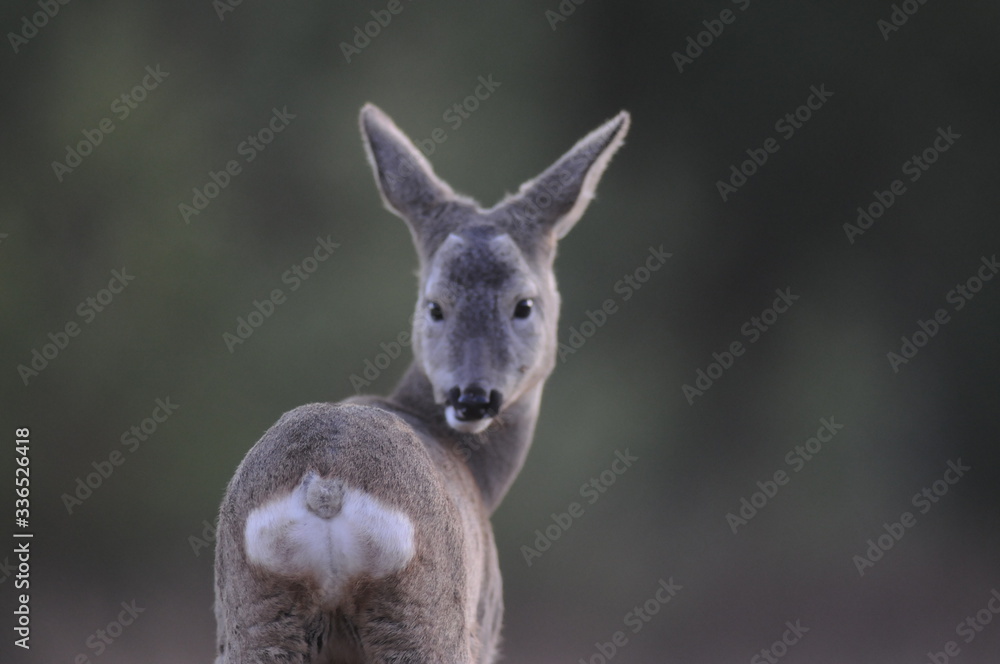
column 470, row 410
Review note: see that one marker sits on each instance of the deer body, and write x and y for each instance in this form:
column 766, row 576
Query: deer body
column 360, row 531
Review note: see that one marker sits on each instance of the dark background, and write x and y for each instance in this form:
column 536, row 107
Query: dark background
column 137, row 537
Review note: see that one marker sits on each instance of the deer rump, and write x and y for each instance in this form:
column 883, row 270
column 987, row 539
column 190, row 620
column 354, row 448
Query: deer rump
column 360, row 531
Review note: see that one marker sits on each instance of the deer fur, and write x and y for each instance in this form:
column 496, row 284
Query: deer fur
column 360, row 531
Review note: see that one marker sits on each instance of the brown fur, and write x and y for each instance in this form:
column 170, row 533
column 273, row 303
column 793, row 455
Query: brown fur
column 445, row 605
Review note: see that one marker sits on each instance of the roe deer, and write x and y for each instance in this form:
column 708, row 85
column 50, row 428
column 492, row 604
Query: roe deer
column 360, row 531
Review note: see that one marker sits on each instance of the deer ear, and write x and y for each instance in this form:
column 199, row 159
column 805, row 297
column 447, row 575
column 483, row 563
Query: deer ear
column 555, row 200
column 405, row 178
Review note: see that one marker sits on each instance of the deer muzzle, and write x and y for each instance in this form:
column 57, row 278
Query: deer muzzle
column 474, row 403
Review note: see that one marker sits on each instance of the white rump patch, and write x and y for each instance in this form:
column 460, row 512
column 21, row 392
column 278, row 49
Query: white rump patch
column 329, row 533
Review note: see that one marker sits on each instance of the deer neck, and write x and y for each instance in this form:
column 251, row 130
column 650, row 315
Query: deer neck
column 495, row 456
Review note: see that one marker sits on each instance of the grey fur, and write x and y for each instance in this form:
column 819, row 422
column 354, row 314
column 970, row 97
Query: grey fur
column 445, row 606
column 324, row 496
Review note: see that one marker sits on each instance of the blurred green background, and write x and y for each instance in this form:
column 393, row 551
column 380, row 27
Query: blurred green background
column 141, row 535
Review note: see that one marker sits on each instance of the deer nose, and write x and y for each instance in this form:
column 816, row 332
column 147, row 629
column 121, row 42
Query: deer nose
column 473, row 403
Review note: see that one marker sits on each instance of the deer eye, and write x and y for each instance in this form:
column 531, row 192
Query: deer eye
column 434, row 311
column 523, row 308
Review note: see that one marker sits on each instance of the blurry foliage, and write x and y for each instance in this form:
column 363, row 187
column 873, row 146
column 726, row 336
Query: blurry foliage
column 162, row 336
